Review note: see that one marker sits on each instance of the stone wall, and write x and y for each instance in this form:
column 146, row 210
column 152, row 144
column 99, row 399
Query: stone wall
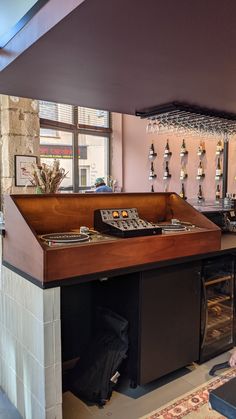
column 19, row 135
column 30, row 333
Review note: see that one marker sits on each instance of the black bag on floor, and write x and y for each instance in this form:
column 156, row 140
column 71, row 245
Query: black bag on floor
column 96, row 373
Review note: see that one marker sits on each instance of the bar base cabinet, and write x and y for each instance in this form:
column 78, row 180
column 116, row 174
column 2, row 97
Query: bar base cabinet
column 163, row 310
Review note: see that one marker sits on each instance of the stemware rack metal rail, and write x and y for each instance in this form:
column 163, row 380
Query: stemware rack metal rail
column 178, row 115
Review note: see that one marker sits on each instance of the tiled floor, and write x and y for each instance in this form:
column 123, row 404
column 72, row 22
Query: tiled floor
column 132, row 404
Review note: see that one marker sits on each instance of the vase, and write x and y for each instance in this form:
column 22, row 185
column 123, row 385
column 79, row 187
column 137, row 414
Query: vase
column 38, row 190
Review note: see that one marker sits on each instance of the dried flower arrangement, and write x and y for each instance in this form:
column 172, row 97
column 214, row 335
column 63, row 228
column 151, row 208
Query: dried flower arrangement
column 47, row 179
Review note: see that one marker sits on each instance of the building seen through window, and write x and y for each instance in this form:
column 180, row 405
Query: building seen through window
column 79, row 138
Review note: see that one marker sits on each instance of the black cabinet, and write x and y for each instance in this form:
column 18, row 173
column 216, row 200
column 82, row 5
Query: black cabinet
column 169, row 320
column 163, row 310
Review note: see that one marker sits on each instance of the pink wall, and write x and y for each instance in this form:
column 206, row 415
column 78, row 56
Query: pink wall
column 232, row 166
column 136, row 164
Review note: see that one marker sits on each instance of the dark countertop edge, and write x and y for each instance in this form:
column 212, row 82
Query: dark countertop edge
column 23, row 274
column 122, row 271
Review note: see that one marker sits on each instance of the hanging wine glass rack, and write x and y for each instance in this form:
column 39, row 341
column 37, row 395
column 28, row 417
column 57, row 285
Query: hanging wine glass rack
column 200, row 120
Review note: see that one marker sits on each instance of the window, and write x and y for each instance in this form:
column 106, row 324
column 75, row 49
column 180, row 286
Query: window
column 96, row 158
column 58, row 147
column 84, row 174
column 79, row 138
column 93, row 117
column 56, row 112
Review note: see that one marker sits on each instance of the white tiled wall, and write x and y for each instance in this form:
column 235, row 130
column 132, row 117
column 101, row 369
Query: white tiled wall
column 30, row 347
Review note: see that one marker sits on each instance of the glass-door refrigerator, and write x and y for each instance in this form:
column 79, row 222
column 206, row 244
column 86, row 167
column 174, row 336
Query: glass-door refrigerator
column 217, row 309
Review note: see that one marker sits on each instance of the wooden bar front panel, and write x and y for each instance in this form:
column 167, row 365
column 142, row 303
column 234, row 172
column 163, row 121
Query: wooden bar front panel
column 36, row 215
column 63, row 212
column 21, row 247
column 122, row 253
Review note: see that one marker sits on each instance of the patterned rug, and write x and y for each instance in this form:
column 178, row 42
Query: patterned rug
column 194, row 404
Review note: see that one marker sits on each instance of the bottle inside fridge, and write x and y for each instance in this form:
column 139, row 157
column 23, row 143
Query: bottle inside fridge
column 217, row 328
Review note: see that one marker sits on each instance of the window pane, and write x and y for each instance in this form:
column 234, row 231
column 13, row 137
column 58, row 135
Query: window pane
column 56, row 111
column 58, row 146
column 93, row 163
column 84, row 175
column 94, row 117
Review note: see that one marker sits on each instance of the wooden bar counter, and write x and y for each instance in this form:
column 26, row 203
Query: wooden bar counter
column 30, row 216
column 50, row 293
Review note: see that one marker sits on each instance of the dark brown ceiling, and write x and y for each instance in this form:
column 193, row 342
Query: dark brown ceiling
column 126, row 55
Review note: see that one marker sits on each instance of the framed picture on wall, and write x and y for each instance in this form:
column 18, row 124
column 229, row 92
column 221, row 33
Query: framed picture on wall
column 23, row 169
